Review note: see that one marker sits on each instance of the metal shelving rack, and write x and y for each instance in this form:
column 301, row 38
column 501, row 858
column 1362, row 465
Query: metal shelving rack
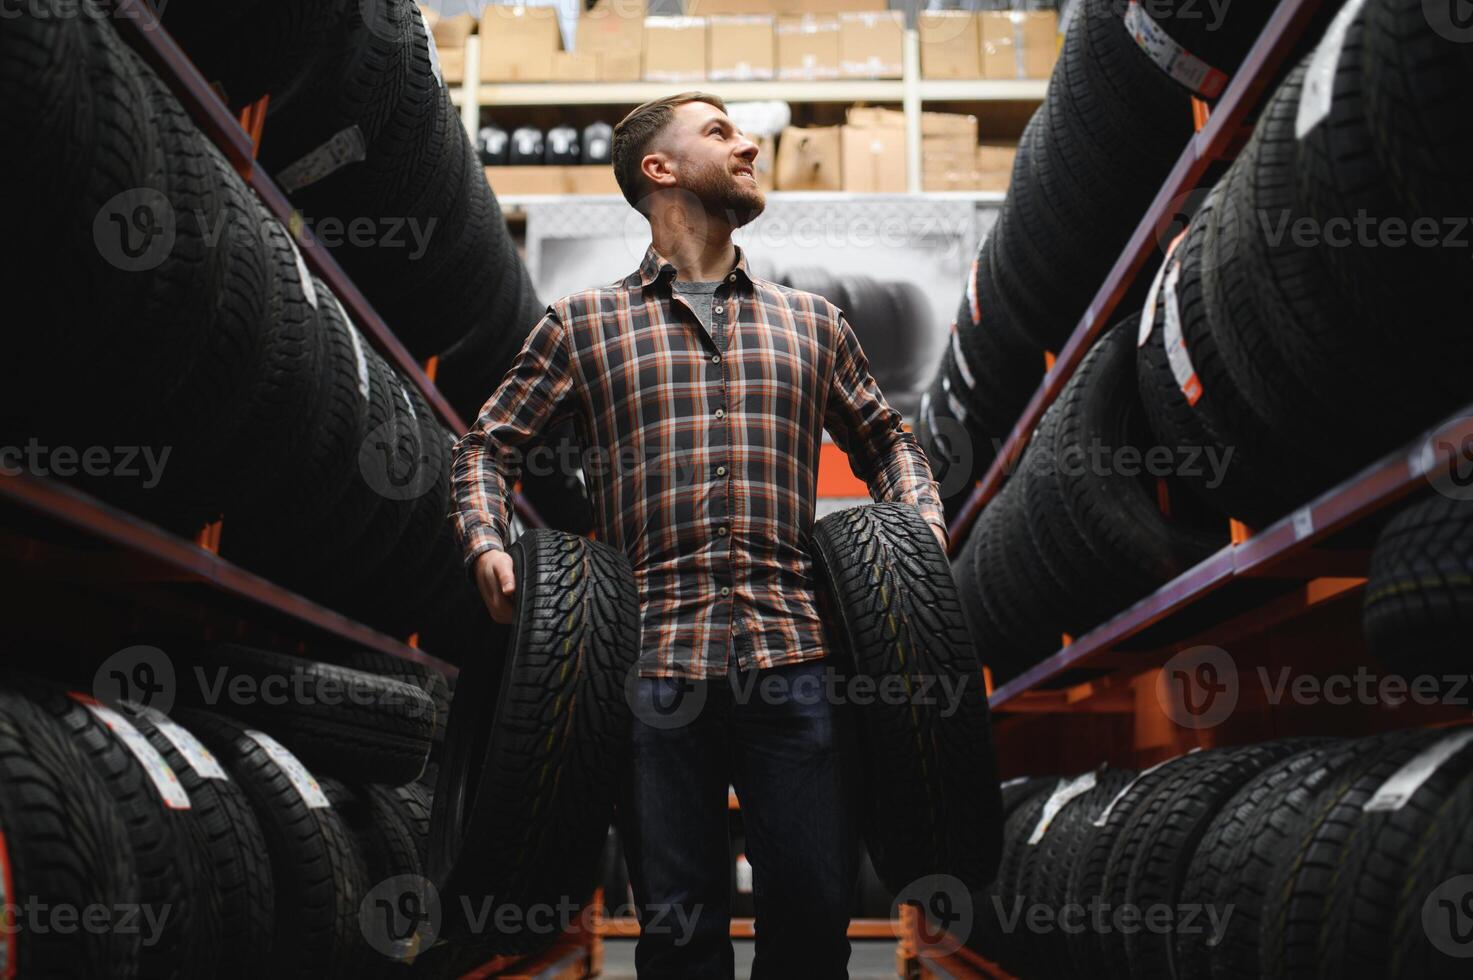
column 1268, row 592
column 53, row 532
column 910, row 90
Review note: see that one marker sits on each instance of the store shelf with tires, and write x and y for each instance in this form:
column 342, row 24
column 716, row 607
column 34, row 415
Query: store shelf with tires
column 1217, row 551
column 230, row 444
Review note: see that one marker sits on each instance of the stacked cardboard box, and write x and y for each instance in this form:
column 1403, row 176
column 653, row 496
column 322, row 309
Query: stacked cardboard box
column 950, row 44
column 995, row 165
column 808, row 46
column 948, row 151
column 449, row 34
column 874, row 150
column 612, row 36
column 809, row 159
column 992, row 44
column 741, row 47
column 518, row 43
column 675, row 49
column 870, row 44
column 1019, row 45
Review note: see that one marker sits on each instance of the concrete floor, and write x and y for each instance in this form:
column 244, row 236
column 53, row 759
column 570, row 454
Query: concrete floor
column 871, row 959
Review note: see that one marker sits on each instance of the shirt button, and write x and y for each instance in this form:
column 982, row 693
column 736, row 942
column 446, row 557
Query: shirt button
column 721, row 471
column 721, row 529
column 725, row 590
column 715, row 358
column 731, row 278
column 718, row 309
column 721, row 413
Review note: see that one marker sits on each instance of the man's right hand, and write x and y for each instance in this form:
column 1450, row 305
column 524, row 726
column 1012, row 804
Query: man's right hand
column 497, row 584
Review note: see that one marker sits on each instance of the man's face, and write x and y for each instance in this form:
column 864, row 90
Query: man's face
column 713, row 160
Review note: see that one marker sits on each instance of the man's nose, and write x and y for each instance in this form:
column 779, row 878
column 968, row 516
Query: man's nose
column 748, row 150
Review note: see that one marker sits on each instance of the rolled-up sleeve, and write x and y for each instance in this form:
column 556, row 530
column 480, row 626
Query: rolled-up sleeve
column 881, row 452
column 534, row 395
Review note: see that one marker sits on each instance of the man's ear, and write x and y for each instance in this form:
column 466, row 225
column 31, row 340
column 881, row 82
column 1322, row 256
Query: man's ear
column 656, row 167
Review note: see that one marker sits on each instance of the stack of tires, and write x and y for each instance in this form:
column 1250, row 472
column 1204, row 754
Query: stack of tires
column 1306, row 857
column 237, row 836
column 1312, row 317
column 1116, row 118
column 1079, row 531
column 189, row 332
column 1271, row 360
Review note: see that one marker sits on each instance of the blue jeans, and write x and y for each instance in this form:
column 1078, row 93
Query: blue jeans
column 792, row 759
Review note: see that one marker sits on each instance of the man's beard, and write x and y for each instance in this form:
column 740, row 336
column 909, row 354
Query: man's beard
column 726, row 195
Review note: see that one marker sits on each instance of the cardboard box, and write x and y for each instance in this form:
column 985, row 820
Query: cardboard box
column 874, row 117
column 996, row 156
column 452, row 65
column 517, row 43
column 810, row 159
column 874, row 159
column 995, row 165
column 675, row 49
column 741, row 47
column 808, row 46
column 951, row 44
column 574, row 66
column 450, row 32
column 552, row 179
column 614, row 35
column 949, row 124
column 1019, row 45
column 708, row 7
column 870, row 44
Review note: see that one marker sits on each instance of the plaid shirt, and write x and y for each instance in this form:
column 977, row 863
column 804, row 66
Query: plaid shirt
column 701, row 459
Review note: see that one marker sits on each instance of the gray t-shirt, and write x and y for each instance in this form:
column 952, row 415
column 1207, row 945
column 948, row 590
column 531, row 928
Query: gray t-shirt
column 700, row 295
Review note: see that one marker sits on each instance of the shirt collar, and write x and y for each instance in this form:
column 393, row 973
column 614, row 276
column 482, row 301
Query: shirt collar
column 655, row 266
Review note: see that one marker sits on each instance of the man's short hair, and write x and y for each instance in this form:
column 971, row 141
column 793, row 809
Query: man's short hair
column 635, row 133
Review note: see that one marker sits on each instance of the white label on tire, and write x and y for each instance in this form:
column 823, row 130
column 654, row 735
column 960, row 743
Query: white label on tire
column 308, row 288
column 1176, row 344
column 1319, row 78
column 1015, row 781
column 163, row 778
column 1110, row 807
column 743, row 875
column 303, row 781
column 1056, row 802
column 1405, row 782
column 200, row 759
column 1303, row 523
column 430, row 42
column 1175, row 60
column 344, row 148
column 960, row 361
column 359, row 357
column 958, row 410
